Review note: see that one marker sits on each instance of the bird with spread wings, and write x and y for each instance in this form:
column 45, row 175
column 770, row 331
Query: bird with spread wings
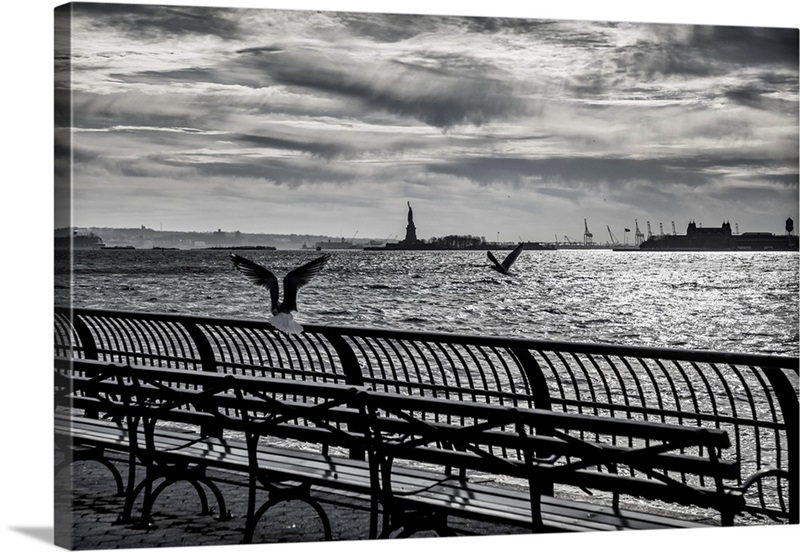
column 505, row 266
column 282, row 317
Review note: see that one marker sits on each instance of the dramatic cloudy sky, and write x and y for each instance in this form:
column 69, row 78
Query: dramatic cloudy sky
column 329, row 122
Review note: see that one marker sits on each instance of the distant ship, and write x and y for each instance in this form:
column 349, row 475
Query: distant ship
column 336, row 245
column 243, row 247
column 79, row 241
column 722, row 239
column 581, row 246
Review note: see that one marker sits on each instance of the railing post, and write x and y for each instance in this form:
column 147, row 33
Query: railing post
column 538, row 384
column 352, row 376
column 350, row 366
column 208, row 363
column 541, row 399
column 207, row 360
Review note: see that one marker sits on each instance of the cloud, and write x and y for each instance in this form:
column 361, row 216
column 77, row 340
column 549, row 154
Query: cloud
column 387, row 28
column 152, row 23
column 698, row 50
column 569, row 170
column 326, row 150
column 436, row 97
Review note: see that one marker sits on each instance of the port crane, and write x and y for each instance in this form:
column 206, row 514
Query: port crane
column 613, row 239
column 674, row 233
column 638, row 236
column 587, row 236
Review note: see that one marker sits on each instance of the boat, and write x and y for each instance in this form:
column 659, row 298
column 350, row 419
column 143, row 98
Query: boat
column 242, row 248
column 319, row 246
column 79, row 241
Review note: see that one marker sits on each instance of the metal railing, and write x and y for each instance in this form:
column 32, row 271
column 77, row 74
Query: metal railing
column 753, row 397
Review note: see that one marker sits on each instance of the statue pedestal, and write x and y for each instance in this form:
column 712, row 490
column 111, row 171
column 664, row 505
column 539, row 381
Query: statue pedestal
column 411, row 234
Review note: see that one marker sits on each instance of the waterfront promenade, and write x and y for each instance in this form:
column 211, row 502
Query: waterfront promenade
column 177, row 523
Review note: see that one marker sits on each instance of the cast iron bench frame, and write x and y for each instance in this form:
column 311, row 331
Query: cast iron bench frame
column 388, row 427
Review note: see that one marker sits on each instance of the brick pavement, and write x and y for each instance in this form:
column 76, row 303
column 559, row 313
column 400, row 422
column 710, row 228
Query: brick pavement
column 176, row 522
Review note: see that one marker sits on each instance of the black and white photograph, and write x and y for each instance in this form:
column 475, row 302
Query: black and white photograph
column 340, row 275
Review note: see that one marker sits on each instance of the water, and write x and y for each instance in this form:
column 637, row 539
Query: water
column 743, row 302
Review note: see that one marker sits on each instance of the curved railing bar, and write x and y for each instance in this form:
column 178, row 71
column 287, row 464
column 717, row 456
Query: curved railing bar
column 394, row 363
column 691, row 393
column 401, row 350
column 497, row 380
column 455, row 387
column 620, row 380
column 578, row 360
column 313, row 357
column 149, row 348
column 576, row 389
column 427, row 365
column 458, row 374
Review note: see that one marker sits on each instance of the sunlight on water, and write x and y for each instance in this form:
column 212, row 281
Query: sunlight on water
column 726, row 301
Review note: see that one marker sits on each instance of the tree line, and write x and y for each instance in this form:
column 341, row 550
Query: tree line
column 458, row 242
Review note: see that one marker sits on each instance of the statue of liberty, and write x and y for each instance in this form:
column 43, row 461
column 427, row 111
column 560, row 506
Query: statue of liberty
column 411, row 229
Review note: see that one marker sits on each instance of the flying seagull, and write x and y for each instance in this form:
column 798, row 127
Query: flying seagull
column 281, row 311
column 503, row 267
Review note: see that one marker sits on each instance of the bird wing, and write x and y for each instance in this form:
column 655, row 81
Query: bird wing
column 512, row 257
column 495, row 261
column 299, row 277
column 258, row 275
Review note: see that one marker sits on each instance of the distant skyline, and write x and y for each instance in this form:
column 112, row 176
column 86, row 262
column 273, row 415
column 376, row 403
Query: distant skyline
column 275, row 121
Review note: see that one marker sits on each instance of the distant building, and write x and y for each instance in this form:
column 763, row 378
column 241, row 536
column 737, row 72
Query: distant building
column 721, row 239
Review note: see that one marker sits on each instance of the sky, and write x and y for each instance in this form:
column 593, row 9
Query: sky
column 329, row 122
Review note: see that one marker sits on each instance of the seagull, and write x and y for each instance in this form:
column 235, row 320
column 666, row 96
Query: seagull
column 281, row 311
column 503, row 267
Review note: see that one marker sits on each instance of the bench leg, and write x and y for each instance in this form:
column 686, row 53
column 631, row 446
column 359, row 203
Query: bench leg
column 412, row 522
column 277, row 495
column 95, row 455
column 150, row 497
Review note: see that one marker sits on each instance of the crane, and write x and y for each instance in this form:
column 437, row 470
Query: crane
column 649, row 233
column 613, row 239
column 673, row 228
column 638, row 236
column 661, row 228
column 587, row 236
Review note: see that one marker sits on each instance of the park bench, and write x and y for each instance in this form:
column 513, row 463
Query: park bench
column 413, row 457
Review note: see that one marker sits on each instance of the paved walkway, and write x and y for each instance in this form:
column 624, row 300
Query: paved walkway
column 95, row 511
